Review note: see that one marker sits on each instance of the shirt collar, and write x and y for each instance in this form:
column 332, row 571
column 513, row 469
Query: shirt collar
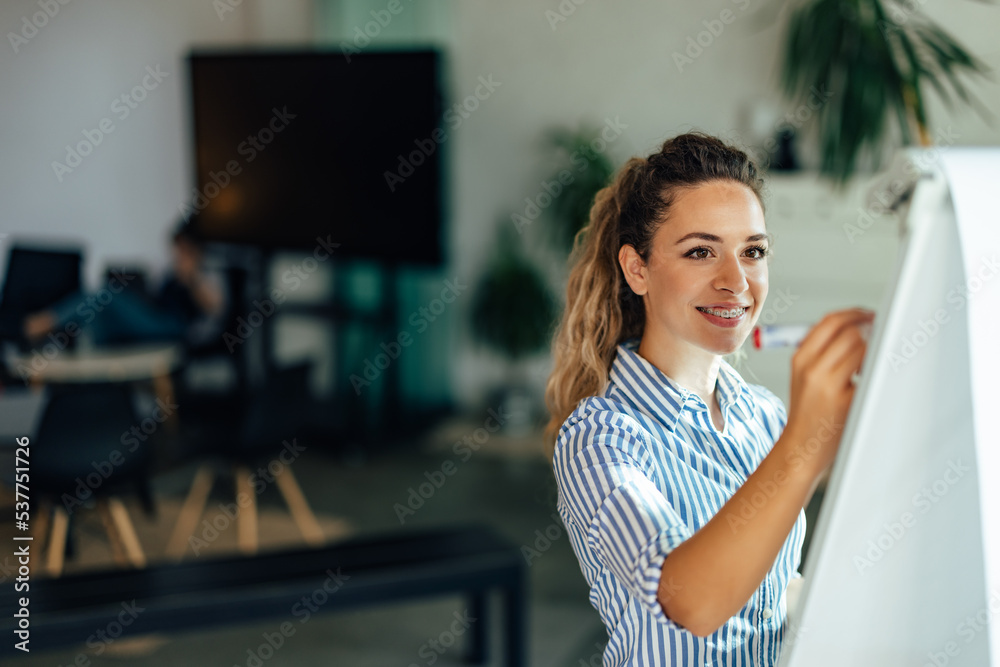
column 661, row 397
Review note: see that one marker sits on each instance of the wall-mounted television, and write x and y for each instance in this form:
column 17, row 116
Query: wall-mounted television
column 291, row 146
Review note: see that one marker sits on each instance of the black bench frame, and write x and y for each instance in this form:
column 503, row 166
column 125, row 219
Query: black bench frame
column 471, row 560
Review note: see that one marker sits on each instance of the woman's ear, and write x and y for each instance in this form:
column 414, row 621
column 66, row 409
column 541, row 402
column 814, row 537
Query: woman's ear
column 634, row 269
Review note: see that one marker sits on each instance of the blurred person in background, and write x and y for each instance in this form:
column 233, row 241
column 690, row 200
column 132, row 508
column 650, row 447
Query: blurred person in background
column 188, row 308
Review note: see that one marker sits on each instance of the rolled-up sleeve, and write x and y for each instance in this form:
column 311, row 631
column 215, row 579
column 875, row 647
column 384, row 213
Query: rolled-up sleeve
column 608, row 483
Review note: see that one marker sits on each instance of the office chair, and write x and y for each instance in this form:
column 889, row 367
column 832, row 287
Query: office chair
column 35, row 279
column 79, row 453
column 252, row 431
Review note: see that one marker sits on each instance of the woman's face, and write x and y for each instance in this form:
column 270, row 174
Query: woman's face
column 706, row 258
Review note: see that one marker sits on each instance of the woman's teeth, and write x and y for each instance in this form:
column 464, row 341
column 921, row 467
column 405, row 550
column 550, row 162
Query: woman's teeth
column 728, row 314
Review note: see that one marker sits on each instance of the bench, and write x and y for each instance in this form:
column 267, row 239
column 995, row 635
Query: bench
column 289, row 586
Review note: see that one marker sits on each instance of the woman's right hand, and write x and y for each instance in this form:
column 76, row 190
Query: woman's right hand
column 710, row 576
column 822, row 390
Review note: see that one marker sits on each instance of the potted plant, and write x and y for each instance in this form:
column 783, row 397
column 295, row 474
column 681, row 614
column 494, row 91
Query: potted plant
column 512, row 312
column 877, row 58
column 590, row 171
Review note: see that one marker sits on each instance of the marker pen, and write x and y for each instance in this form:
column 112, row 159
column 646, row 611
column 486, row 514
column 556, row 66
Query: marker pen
column 769, row 336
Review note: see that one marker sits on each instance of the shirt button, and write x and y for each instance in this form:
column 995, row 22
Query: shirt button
column 767, row 613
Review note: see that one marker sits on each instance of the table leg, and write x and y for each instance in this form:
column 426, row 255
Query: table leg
column 297, row 505
column 476, row 647
column 246, row 522
column 516, row 618
column 114, row 538
column 133, row 549
column 57, row 543
column 191, row 511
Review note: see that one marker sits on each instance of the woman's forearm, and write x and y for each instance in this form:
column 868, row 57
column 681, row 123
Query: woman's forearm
column 709, row 577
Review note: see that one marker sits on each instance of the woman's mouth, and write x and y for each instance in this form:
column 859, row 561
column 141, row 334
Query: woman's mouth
column 723, row 317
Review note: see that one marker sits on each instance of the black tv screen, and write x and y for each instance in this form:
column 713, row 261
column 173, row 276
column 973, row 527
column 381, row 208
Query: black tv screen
column 292, row 146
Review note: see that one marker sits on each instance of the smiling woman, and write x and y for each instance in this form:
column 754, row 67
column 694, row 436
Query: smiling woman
column 702, row 290
column 659, row 446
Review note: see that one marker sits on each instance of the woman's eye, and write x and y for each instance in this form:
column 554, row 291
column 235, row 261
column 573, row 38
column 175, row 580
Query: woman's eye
column 754, row 252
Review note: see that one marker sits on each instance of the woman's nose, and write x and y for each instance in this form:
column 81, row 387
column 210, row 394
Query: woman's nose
column 731, row 276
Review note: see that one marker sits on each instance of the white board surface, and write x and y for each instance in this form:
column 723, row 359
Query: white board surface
column 902, row 569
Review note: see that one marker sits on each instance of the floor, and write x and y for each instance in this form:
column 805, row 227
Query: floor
column 505, row 482
column 500, row 478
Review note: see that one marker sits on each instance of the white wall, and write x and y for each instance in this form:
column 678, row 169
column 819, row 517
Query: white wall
column 607, row 60
column 123, row 198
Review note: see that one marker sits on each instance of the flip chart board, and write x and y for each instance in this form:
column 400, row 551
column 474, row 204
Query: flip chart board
column 904, row 567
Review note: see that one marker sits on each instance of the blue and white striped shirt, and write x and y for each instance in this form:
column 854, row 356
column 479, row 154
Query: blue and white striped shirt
column 640, row 468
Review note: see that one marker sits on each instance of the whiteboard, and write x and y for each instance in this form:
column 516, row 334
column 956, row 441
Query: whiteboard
column 902, row 569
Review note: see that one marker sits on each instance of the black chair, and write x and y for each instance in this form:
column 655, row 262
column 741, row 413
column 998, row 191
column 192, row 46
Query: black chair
column 86, row 450
column 35, row 279
column 251, row 429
